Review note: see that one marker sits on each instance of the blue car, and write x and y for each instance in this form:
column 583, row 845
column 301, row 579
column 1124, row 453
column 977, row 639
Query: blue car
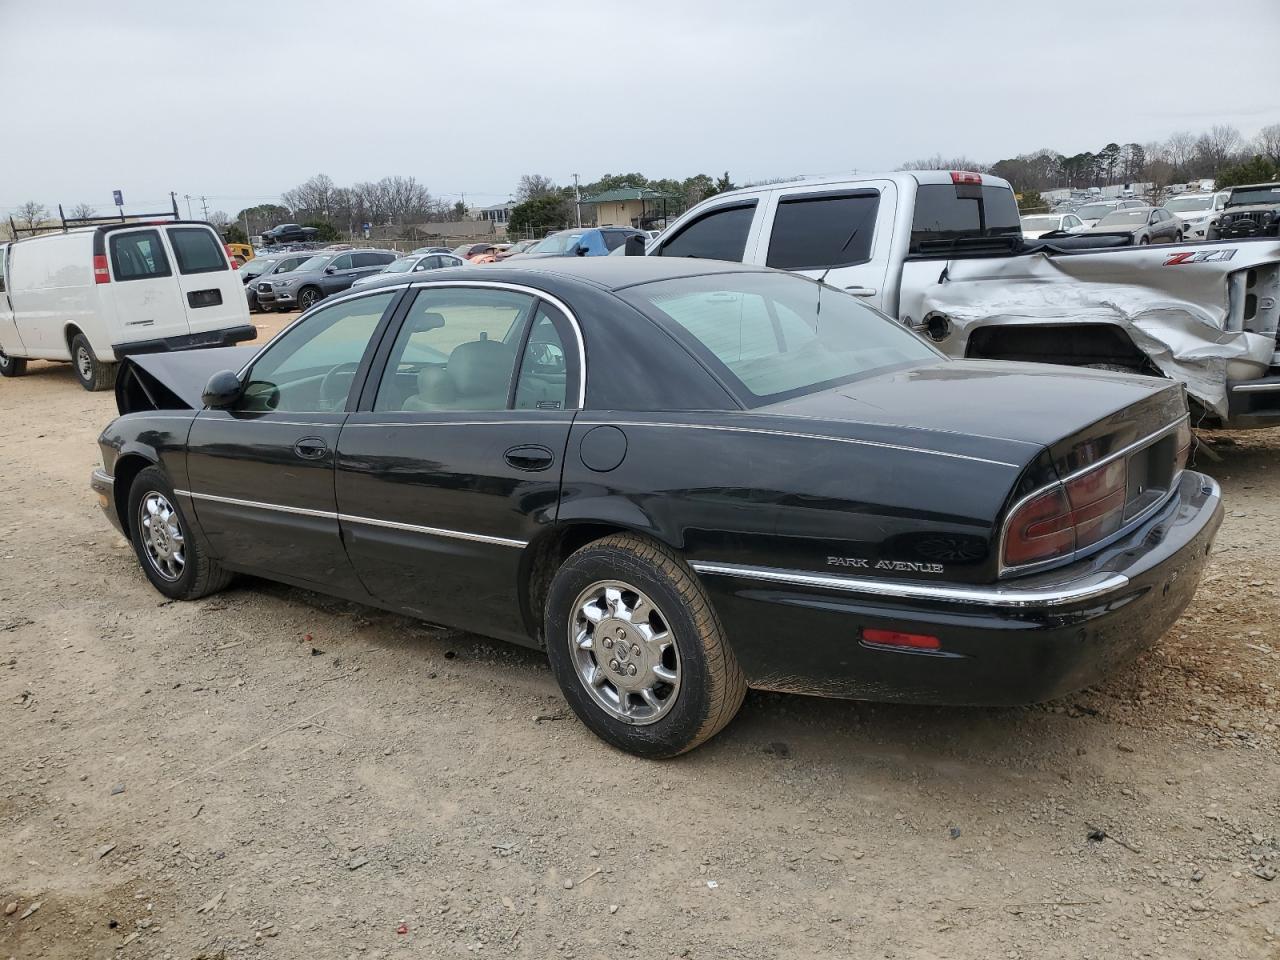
column 580, row 242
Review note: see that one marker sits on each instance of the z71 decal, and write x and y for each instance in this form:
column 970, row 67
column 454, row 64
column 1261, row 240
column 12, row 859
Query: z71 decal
column 1200, row 256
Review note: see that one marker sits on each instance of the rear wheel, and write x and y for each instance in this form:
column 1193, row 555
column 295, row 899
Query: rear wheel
column 1144, row 241
column 638, row 650
column 92, row 373
column 1181, row 237
column 161, row 536
column 12, row 366
column 307, row 298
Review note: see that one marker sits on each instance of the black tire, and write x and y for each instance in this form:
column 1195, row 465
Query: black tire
column 1144, row 241
column 710, row 686
column 12, row 366
column 92, row 373
column 1181, row 237
column 308, row 297
column 198, row 575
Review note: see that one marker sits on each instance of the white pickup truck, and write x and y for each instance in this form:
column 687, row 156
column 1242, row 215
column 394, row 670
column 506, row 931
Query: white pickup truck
column 943, row 252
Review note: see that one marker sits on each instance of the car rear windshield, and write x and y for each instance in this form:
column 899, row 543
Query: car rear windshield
column 557, row 243
column 950, row 215
column 1041, row 223
column 772, row 336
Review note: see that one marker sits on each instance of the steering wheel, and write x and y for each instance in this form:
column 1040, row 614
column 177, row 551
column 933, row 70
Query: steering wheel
column 337, row 384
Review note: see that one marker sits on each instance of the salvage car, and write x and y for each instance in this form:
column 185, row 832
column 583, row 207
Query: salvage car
column 943, row 251
column 679, row 478
column 1143, row 225
column 1249, row 211
column 260, row 269
column 319, row 276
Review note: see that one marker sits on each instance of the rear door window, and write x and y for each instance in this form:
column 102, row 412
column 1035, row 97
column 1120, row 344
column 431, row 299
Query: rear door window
column 138, row 256
column 367, row 260
column 816, row 231
column 720, row 234
column 197, row 250
column 948, row 214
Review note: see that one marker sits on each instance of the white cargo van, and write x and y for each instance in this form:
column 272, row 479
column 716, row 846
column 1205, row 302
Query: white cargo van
column 94, row 294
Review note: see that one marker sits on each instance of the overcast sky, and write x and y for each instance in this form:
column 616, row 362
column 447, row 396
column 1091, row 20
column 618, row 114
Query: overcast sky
column 240, row 101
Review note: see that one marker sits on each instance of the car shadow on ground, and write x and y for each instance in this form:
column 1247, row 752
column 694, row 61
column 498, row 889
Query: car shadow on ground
column 770, row 726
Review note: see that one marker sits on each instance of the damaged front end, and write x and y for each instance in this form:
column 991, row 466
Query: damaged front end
column 1205, row 315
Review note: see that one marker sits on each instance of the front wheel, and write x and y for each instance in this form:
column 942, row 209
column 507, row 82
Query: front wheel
column 92, row 373
column 12, row 366
column 162, row 540
column 308, row 297
column 638, row 650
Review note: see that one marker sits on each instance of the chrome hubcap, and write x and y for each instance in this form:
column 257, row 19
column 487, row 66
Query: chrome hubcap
column 162, row 535
column 624, row 652
column 84, row 362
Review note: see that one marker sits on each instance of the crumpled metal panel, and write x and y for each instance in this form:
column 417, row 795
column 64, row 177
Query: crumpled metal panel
column 1179, row 318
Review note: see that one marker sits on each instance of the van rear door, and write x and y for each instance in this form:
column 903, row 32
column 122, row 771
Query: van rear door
column 143, row 287
column 10, row 342
column 212, row 292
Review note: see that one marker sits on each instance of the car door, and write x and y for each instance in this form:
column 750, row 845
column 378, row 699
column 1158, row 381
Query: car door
column 260, row 473
column 339, row 274
column 840, row 234
column 8, row 326
column 452, row 464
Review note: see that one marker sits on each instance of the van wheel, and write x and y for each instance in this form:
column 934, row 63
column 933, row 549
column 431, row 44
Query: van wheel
column 12, row 366
column 92, row 373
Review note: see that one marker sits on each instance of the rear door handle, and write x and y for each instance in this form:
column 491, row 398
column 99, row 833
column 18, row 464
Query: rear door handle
column 529, row 456
column 311, row 448
column 858, row 291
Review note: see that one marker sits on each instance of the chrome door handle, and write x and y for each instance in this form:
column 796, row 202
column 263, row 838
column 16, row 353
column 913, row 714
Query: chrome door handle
column 858, row 291
column 311, row 448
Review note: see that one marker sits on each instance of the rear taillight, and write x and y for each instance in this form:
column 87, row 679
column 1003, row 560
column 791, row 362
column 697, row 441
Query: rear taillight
column 966, row 176
column 235, row 264
column 1067, row 517
column 100, row 272
column 1182, row 440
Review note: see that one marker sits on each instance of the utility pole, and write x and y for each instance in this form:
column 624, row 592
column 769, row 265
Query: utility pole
column 204, row 205
column 577, row 202
column 187, row 197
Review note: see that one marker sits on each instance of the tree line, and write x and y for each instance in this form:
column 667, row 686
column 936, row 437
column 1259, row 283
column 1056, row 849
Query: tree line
column 543, row 205
column 1220, row 153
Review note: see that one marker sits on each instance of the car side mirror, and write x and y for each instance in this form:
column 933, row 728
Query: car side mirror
column 579, row 250
column 222, row 390
column 329, row 270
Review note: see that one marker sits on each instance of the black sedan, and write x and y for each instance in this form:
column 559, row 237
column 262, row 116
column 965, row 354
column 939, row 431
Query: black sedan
column 680, row 478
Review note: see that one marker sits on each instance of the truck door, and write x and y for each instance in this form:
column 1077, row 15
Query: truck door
column 144, row 289
column 212, row 292
column 842, row 233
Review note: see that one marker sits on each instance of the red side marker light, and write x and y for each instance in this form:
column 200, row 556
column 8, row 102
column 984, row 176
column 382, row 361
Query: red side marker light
column 894, row 638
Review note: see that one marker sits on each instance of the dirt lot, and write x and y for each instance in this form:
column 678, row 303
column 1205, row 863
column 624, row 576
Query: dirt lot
column 271, row 773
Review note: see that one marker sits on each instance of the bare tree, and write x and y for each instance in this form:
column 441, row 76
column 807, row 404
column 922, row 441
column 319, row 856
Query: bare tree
column 938, row 162
column 82, row 210
column 32, row 213
column 220, row 219
column 1268, row 142
column 534, row 185
column 313, row 199
column 1179, row 150
column 1218, row 147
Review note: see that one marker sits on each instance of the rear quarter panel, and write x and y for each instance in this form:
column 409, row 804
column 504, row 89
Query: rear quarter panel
column 743, row 489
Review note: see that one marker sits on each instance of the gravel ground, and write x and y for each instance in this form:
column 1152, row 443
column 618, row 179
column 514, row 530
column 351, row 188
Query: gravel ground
column 272, row 773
